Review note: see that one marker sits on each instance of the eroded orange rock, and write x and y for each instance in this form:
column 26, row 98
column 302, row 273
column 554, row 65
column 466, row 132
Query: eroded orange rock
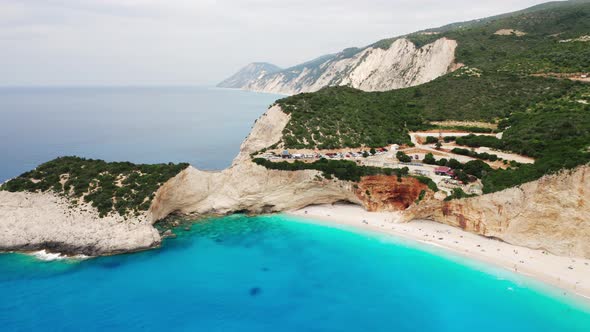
column 387, row 193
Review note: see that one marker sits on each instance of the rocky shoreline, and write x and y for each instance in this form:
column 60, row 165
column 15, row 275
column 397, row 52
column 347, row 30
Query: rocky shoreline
column 45, row 221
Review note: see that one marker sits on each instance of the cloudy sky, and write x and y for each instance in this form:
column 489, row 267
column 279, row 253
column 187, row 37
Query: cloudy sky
column 196, row 42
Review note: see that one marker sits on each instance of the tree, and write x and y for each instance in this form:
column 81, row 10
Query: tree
column 431, row 140
column 476, row 168
column 404, row 158
column 372, row 151
column 454, row 164
column 462, row 176
column 438, row 145
column 429, row 159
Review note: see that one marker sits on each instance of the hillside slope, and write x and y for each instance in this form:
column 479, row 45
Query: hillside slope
column 371, row 69
column 550, row 213
column 251, row 72
column 525, row 42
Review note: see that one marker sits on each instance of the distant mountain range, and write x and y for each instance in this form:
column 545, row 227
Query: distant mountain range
column 251, row 72
column 522, row 41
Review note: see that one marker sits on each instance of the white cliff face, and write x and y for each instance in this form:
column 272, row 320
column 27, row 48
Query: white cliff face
column 552, row 213
column 267, row 131
column 246, row 186
column 372, row 69
column 35, row 221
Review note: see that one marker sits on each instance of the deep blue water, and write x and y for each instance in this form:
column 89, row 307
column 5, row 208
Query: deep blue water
column 275, row 273
column 203, row 126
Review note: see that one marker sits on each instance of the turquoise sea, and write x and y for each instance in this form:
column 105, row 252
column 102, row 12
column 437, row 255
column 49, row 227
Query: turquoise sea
column 238, row 273
column 277, row 273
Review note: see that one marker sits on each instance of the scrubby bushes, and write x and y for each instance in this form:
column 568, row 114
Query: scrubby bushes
column 458, row 193
column 427, row 181
column 476, row 141
column 429, row 159
column 483, row 155
column 431, row 140
column 402, row 157
column 119, row 186
column 345, row 170
column 344, row 117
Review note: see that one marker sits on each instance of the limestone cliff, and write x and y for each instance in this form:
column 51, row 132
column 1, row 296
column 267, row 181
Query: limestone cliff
column 35, row 221
column 552, row 213
column 370, row 69
column 246, row 186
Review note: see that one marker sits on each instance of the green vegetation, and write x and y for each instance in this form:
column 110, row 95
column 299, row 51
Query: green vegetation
column 483, row 155
column 431, row 140
column 556, row 133
column 458, row 193
column 421, row 196
column 345, row 170
column 402, row 157
column 541, row 117
column 474, row 168
column 544, row 118
column 448, row 139
column 120, row 187
column 429, row 159
column 476, row 141
column 539, row 50
column 427, row 181
column 471, row 129
column 344, row 117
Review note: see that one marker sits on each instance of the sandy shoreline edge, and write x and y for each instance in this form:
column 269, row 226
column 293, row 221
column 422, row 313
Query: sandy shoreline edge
column 570, row 275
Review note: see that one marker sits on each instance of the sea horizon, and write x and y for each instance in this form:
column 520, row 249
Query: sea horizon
column 117, row 123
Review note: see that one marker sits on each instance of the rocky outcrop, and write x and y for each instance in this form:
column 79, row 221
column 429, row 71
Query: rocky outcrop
column 36, row 221
column 370, row 69
column 251, row 72
column 388, row 193
column 246, row 186
column 552, row 213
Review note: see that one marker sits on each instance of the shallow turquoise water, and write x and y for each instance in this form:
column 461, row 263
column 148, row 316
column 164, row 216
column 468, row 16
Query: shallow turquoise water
column 276, row 273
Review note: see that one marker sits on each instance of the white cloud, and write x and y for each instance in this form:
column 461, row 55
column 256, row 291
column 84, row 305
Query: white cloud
column 199, row 41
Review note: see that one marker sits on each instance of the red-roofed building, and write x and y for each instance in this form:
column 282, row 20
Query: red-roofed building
column 444, row 170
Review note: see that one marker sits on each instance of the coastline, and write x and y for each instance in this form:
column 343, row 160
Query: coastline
column 570, row 275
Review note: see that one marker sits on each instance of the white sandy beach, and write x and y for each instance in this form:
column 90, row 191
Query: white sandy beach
column 571, row 275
